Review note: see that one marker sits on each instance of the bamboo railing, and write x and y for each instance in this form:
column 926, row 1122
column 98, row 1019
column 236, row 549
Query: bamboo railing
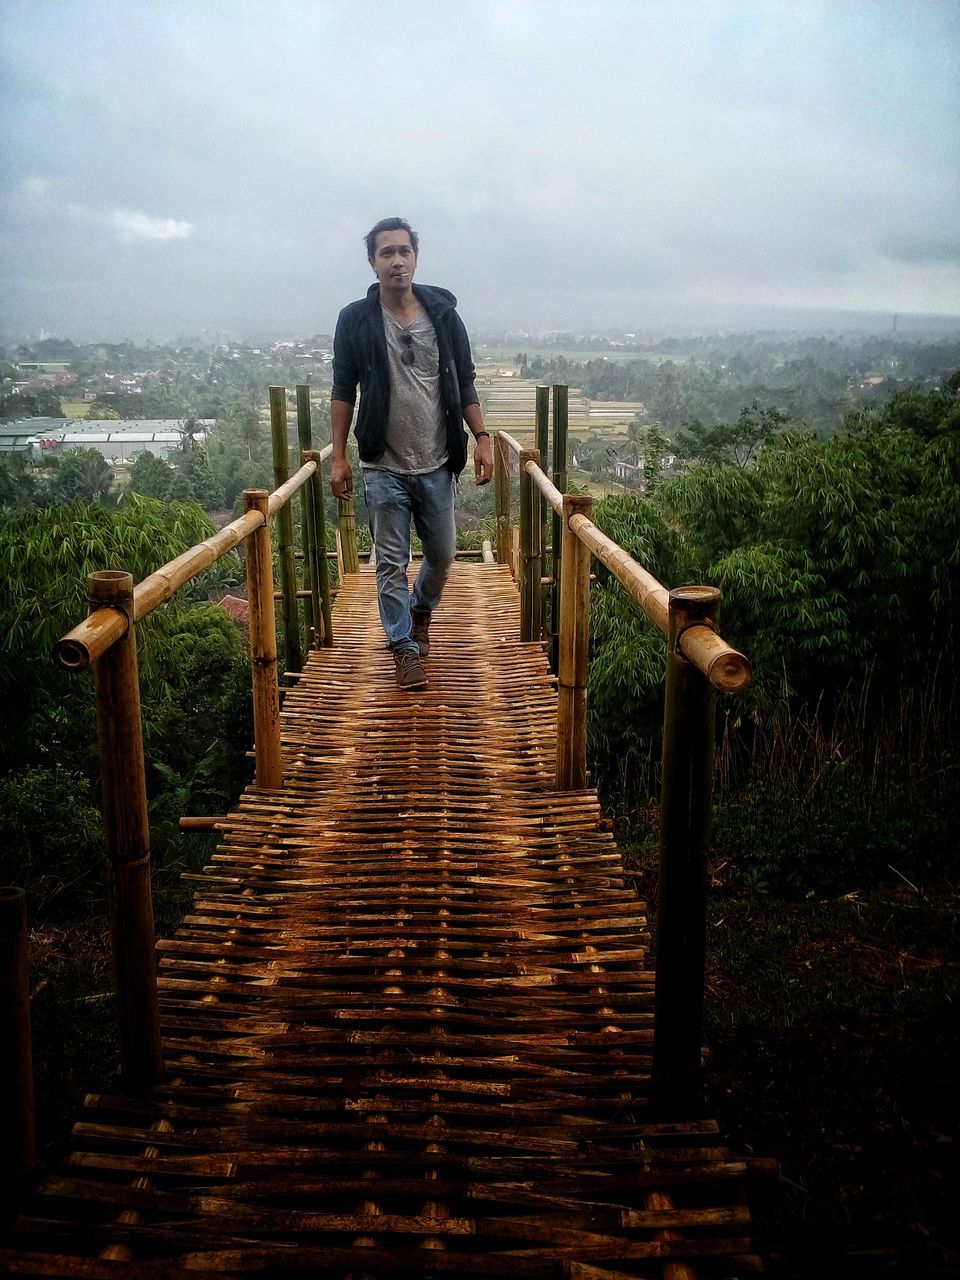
column 698, row 664
column 106, row 642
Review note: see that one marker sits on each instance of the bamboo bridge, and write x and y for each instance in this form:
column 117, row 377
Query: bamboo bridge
column 410, row 1026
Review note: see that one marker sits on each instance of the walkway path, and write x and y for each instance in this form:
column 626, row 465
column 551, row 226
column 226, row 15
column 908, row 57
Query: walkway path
column 407, row 1024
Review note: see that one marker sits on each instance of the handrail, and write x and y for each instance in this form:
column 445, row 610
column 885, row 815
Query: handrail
column 106, row 640
column 90, row 639
column 546, row 486
column 726, row 668
column 508, row 439
column 698, row 663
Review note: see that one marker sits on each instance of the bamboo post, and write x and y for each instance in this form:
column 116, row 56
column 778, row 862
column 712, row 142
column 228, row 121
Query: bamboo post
column 288, row 571
column 559, row 477
column 311, row 609
column 688, row 741
column 127, row 833
column 263, row 645
column 530, row 552
column 347, row 536
column 573, row 667
column 501, row 481
column 311, row 569
column 542, row 433
column 18, row 1143
column 321, row 576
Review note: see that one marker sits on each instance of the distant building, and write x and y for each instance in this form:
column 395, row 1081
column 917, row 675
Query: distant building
column 119, row 441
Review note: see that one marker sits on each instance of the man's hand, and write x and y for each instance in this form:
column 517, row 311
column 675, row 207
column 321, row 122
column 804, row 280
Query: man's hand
column 483, row 461
column 341, row 478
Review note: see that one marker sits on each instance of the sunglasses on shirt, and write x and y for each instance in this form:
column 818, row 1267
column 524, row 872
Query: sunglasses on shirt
column 407, row 355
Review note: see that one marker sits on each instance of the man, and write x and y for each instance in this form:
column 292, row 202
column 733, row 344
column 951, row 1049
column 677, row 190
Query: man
column 407, row 348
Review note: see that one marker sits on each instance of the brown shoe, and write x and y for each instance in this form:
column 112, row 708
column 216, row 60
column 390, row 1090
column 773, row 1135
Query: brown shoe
column 410, row 672
column 420, row 631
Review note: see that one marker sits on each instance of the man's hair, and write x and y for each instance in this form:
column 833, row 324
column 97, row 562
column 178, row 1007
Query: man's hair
column 390, row 224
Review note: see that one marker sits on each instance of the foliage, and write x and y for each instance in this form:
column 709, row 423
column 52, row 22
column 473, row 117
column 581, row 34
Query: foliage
column 840, row 568
column 83, row 474
column 196, row 710
column 50, row 830
column 240, row 455
column 151, row 476
column 46, row 556
column 193, row 676
column 735, row 442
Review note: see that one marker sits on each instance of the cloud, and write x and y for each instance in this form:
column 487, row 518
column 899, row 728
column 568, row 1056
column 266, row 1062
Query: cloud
column 132, row 225
column 701, row 151
column 36, row 185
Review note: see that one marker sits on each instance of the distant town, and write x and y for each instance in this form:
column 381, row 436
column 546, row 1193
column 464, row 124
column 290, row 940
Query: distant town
column 126, row 399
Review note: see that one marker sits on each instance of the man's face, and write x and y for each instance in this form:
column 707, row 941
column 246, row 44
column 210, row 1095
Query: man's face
column 394, row 261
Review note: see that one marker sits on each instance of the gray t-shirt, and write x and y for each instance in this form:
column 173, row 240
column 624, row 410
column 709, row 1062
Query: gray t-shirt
column 416, row 431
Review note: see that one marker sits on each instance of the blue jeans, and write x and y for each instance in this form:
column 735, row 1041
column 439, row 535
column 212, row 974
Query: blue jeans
column 394, row 501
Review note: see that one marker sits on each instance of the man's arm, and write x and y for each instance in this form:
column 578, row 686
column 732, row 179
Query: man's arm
column 482, row 454
column 341, row 473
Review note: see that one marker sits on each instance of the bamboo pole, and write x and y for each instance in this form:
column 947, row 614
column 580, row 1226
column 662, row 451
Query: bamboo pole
column 650, row 595
column 542, row 433
column 347, row 536
column 501, row 482
column 311, row 565
column 547, row 490
column 725, row 668
column 321, row 566
column 559, row 470
column 263, row 645
column 288, row 573
column 688, row 740
column 573, row 657
column 18, row 1143
column 311, row 608
column 530, row 551
column 127, row 834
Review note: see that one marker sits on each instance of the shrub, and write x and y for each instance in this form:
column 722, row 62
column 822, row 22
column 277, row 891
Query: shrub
column 51, row 835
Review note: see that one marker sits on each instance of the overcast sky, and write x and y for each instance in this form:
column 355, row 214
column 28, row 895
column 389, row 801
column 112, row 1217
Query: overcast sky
column 194, row 165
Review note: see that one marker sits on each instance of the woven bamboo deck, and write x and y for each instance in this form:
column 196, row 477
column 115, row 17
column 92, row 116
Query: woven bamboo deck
column 407, row 1024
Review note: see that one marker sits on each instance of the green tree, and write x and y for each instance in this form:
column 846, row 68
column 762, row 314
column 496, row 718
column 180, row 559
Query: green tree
column 151, row 476
column 193, row 675
column 735, row 442
column 82, row 473
column 204, row 486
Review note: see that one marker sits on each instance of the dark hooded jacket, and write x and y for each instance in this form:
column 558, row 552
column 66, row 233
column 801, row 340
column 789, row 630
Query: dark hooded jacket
column 360, row 356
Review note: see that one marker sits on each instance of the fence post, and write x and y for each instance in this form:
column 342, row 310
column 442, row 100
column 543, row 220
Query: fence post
column 574, row 656
column 263, row 645
column 17, row 1116
column 542, row 431
column 501, row 483
column 311, row 603
column 559, row 477
column 347, row 536
column 688, row 741
column 530, row 552
column 127, row 832
column 288, row 572
column 321, row 575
